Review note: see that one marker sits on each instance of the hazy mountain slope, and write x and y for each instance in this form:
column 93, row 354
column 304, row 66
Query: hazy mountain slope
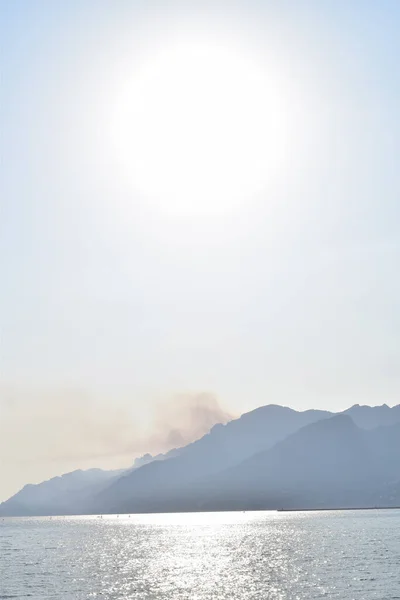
column 270, row 457
column 329, row 463
column 385, row 443
column 148, row 458
column 329, row 452
column 225, row 446
column 69, row 493
column 370, row 417
column 66, row 494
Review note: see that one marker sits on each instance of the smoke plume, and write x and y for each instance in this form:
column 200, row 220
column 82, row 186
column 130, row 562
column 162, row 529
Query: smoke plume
column 45, row 433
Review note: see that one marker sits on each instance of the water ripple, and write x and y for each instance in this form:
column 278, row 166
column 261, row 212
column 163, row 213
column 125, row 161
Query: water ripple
column 218, row 556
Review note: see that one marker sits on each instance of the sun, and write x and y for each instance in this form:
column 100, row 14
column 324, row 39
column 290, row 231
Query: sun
column 199, row 126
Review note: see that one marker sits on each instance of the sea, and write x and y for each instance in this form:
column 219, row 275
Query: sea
column 348, row 555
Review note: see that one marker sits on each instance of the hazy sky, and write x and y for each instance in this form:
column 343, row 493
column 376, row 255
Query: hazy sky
column 196, row 197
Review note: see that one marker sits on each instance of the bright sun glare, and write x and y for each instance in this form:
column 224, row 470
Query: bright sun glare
column 199, row 127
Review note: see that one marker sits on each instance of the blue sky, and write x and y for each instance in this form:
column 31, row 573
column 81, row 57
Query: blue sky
column 288, row 298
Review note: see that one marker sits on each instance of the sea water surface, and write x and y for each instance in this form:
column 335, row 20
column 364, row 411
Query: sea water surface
column 349, row 555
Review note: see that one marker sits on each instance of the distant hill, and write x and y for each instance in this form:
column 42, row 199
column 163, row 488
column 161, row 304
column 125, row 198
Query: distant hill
column 326, row 464
column 225, row 446
column 60, row 495
column 70, row 493
column 148, row 458
column 329, row 463
column 370, row 417
column 272, row 457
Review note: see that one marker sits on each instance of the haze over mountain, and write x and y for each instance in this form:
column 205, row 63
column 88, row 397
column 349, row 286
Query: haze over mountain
column 330, row 463
column 36, row 430
column 370, row 417
column 272, row 457
column 61, row 495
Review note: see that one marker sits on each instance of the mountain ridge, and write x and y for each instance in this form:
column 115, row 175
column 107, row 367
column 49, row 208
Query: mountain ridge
column 183, row 477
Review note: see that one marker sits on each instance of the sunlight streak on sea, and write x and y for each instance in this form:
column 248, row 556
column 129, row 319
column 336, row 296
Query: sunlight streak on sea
column 348, row 555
